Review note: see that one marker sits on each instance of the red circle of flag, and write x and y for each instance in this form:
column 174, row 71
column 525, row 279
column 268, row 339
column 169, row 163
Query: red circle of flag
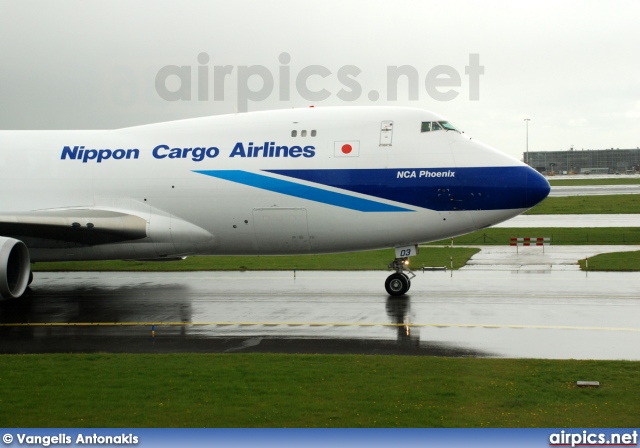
column 346, row 148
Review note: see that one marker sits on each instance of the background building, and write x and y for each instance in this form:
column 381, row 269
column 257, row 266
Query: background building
column 591, row 161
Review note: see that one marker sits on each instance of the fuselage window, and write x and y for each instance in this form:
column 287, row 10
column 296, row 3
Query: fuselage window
column 313, row 133
column 303, row 133
column 294, row 133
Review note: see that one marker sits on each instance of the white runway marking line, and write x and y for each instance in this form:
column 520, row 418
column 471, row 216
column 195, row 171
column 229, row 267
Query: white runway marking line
column 314, row 324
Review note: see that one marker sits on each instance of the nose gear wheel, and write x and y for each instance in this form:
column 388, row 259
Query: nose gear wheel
column 398, row 284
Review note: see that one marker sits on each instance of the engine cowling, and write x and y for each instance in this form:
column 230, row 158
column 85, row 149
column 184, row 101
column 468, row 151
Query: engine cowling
column 15, row 268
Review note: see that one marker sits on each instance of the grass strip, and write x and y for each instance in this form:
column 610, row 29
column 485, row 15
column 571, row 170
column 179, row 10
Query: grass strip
column 273, row 390
column 353, row 261
column 558, row 235
column 616, row 261
column 602, row 204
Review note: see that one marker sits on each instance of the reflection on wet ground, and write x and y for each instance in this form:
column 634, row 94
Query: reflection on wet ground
column 473, row 313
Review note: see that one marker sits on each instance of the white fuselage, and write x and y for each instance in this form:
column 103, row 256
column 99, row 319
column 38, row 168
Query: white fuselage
column 350, row 179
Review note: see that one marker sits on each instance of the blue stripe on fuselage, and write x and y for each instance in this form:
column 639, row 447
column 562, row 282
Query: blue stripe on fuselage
column 302, row 191
column 483, row 188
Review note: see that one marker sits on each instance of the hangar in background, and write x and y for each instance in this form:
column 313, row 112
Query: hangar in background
column 590, row 161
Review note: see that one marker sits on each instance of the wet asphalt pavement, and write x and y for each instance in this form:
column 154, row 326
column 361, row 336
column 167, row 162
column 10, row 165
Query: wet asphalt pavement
column 530, row 310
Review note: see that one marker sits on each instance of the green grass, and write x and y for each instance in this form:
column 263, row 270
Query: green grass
column 607, row 181
column 559, row 236
column 604, row 204
column 371, row 260
column 617, row 261
column 269, row 390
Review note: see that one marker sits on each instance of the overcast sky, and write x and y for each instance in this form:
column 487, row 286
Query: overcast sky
column 572, row 67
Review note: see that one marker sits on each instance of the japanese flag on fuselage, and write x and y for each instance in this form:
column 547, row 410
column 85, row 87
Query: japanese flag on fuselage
column 347, row 148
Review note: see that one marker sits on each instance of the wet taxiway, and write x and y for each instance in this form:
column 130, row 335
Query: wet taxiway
column 540, row 313
column 570, row 221
column 593, row 190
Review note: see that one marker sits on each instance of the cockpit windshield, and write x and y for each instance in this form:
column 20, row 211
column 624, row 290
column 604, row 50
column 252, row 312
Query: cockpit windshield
column 448, row 126
column 429, row 126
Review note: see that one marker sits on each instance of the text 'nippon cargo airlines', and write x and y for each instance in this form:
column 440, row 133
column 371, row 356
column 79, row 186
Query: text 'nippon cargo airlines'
column 298, row 181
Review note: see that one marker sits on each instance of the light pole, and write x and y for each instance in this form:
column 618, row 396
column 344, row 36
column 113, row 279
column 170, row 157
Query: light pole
column 527, row 120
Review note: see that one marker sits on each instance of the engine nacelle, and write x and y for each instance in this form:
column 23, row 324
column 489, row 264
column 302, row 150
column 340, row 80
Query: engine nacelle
column 15, row 268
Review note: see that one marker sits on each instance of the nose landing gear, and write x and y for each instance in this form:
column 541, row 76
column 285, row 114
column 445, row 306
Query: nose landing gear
column 398, row 284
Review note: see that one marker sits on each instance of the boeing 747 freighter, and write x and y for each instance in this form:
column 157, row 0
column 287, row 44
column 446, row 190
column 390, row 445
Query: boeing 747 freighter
column 298, row 181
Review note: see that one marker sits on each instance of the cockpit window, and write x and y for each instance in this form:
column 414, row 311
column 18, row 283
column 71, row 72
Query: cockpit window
column 428, row 126
column 448, row 126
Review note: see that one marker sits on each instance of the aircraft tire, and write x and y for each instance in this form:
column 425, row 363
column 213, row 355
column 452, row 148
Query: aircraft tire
column 397, row 284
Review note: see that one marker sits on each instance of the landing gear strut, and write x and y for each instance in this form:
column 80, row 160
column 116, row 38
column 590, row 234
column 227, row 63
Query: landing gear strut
column 399, row 283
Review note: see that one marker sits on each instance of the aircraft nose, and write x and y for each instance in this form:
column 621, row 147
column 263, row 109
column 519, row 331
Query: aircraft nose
column 536, row 189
